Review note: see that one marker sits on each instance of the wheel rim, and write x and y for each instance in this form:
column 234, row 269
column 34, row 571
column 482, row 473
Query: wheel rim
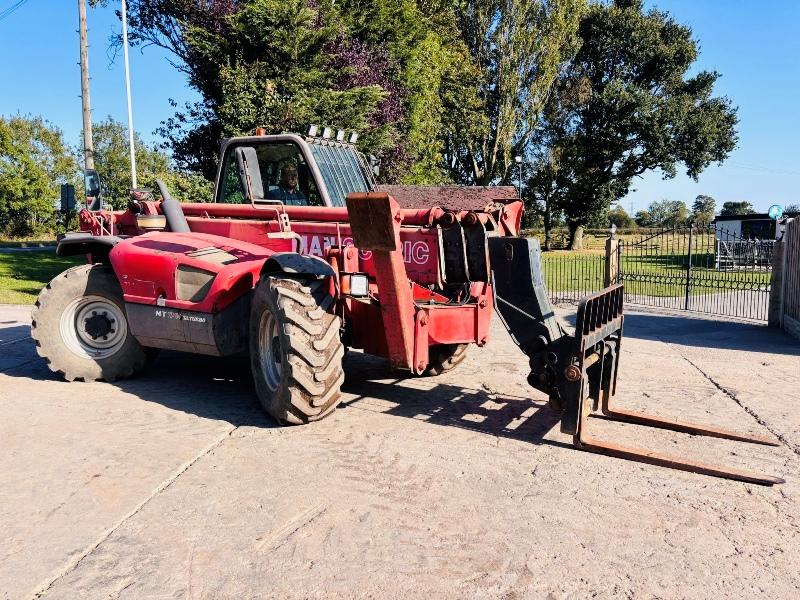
column 93, row 327
column 270, row 353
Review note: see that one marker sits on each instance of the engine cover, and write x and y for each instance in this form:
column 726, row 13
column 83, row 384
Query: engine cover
column 188, row 271
column 188, row 291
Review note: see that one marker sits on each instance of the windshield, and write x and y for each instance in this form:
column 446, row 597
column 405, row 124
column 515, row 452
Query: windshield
column 340, row 169
column 283, row 173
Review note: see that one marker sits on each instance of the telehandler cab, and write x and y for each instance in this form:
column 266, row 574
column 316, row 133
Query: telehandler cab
column 291, row 277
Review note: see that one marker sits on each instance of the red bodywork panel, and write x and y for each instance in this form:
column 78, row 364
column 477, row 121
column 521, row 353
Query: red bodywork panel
column 405, row 313
column 149, row 267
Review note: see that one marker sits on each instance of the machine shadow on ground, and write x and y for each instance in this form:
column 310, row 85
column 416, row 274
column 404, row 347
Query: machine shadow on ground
column 379, row 390
column 222, row 389
column 9, row 335
column 206, row 386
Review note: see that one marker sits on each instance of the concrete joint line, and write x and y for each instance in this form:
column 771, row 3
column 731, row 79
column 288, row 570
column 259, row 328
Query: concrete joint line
column 22, row 364
column 741, row 404
column 15, row 340
column 43, row 588
column 280, row 536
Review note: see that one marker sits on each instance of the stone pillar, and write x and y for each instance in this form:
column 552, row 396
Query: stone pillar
column 774, row 316
column 612, row 261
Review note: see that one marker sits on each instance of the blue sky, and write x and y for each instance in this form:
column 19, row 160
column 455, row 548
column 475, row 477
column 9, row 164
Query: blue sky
column 754, row 45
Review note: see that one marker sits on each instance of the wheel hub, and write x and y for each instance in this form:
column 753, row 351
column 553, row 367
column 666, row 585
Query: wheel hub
column 93, row 327
column 99, row 325
column 270, row 351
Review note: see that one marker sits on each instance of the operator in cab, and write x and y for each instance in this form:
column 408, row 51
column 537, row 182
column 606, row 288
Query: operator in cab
column 288, row 191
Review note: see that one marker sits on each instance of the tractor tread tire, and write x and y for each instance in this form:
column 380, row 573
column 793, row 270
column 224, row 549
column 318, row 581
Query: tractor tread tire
column 73, row 283
column 312, row 375
column 444, row 358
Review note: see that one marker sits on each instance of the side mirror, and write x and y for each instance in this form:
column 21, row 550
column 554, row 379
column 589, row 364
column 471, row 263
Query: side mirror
column 94, row 193
column 67, row 198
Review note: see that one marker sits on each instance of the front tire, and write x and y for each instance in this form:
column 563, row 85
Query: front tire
column 81, row 328
column 295, row 349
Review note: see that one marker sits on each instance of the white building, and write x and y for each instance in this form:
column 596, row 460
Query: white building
column 756, row 226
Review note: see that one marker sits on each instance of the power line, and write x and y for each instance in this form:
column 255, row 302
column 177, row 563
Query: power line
column 7, row 12
column 765, row 169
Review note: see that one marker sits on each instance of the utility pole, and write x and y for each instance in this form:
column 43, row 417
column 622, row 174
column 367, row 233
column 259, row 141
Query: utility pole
column 128, row 90
column 88, row 149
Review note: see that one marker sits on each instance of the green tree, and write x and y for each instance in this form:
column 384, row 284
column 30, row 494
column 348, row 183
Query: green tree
column 270, row 63
column 625, row 106
column 540, row 193
column 422, row 42
column 183, row 185
column 643, row 218
column 618, row 216
column 516, row 49
column 736, row 208
column 703, row 209
column 676, row 214
column 440, row 90
column 663, row 213
column 112, row 161
column 34, row 162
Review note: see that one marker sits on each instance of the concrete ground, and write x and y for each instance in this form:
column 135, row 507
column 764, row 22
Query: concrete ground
column 173, row 485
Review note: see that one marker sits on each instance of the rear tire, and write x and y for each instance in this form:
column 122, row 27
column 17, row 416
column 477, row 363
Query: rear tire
column 444, row 358
column 295, row 349
column 81, row 328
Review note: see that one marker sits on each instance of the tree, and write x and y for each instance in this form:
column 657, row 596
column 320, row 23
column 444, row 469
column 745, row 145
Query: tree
column 703, row 209
column 516, row 49
column 619, row 217
column 280, row 64
column 643, row 218
column 625, row 106
column 792, row 208
column 184, row 186
column 663, row 213
column 420, row 41
column 112, row 160
column 736, row 208
column 542, row 188
column 34, row 161
column 439, row 90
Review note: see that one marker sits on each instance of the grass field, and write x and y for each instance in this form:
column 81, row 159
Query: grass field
column 567, row 274
column 660, row 274
column 24, row 274
column 27, row 243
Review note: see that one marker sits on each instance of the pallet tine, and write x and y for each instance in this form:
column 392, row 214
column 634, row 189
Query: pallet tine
column 596, row 367
column 591, row 444
column 630, row 416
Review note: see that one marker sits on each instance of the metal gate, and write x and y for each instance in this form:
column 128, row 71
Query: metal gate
column 698, row 268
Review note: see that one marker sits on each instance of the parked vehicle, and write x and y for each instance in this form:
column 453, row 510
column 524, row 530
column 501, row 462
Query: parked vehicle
column 300, row 256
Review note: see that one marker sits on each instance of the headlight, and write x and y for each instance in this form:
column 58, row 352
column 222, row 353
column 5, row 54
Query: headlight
column 355, row 284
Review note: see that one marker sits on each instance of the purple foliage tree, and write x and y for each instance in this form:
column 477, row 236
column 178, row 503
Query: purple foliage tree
column 360, row 64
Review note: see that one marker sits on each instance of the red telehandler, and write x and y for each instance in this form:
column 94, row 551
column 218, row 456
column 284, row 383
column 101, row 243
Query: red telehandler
column 301, row 255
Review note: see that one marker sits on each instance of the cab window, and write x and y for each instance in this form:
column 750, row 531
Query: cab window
column 285, row 176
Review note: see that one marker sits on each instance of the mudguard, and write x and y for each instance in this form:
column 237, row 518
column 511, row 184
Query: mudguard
column 297, row 264
column 73, row 244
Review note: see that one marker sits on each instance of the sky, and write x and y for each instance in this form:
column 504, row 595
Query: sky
column 754, row 45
